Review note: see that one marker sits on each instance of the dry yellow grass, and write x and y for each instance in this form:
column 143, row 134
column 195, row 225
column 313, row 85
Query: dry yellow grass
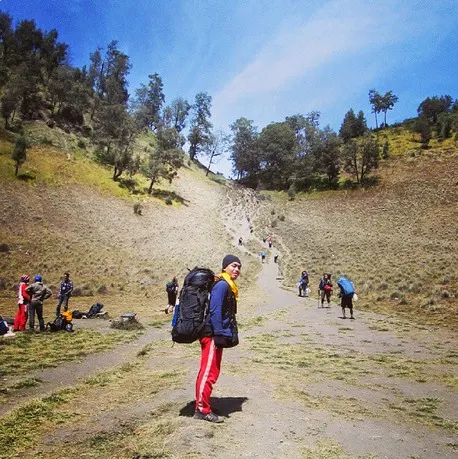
column 397, row 241
column 70, row 215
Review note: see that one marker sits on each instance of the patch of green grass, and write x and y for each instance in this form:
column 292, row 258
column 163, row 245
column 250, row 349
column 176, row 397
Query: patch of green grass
column 347, row 407
column 424, row 411
column 30, row 427
column 252, row 322
column 18, row 427
column 27, row 382
column 29, row 351
column 329, row 449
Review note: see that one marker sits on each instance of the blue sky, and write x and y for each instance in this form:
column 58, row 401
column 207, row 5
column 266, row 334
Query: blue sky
column 267, row 59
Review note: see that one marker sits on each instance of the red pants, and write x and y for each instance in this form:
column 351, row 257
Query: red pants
column 210, row 365
column 21, row 318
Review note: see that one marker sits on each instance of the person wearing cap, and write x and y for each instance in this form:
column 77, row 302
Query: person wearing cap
column 220, row 332
column 38, row 292
column 65, row 291
column 23, row 298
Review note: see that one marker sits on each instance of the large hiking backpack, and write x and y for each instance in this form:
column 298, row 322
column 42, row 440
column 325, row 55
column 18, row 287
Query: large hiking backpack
column 346, row 286
column 95, row 309
column 194, row 304
column 59, row 323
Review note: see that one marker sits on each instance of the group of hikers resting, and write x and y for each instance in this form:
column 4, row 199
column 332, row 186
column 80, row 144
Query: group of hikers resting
column 325, row 289
column 31, row 299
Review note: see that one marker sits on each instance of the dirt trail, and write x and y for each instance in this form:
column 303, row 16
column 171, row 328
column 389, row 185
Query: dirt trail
column 263, row 423
column 276, row 409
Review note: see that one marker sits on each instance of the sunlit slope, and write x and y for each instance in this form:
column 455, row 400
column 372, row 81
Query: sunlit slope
column 398, row 241
column 67, row 214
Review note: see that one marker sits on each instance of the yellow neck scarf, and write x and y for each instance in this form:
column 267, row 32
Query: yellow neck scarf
column 224, row 275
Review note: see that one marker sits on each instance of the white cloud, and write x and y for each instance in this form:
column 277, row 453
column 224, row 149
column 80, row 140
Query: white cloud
column 303, row 47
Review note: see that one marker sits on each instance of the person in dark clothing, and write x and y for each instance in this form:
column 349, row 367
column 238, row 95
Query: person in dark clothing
column 38, row 292
column 172, row 292
column 303, row 283
column 220, row 332
column 65, row 291
column 325, row 289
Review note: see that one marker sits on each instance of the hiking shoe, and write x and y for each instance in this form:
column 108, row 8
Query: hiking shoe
column 210, row 417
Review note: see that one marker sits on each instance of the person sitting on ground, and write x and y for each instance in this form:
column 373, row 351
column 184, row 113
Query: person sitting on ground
column 303, row 283
column 23, row 297
column 219, row 333
column 68, row 316
column 325, row 289
column 65, row 291
column 172, row 292
column 38, row 292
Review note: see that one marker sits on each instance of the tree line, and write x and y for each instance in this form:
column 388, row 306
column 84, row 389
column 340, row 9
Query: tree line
column 37, row 82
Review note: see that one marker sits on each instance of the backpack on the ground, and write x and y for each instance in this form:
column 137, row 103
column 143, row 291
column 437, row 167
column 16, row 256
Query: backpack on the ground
column 346, row 286
column 4, row 329
column 95, row 309
column 194, row 304
column 59, row 323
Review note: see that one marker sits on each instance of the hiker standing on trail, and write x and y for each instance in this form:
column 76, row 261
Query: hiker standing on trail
column 65, row 291
column 303, row 283
column 269, row 241
column 220, row 332
column 325, row 289
column 240, row 240
column 38, row 292
column 23, row 300
column 172, row 292
column 263, row 256
column 346, row 294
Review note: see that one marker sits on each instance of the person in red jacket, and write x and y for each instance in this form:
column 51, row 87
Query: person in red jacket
column 23, row 301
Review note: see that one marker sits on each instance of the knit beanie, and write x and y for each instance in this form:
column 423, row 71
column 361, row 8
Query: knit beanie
column 228, row 259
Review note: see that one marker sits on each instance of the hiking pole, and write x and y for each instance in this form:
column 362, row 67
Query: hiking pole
column 318, row 299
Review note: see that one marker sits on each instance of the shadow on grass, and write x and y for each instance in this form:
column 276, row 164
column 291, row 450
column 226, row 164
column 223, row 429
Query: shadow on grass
column 26, row 177
column 129, row 184
column 169, row 196
column 223, row 406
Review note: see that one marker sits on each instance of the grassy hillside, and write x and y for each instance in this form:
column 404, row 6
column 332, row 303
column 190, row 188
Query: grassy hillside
column 397, row 241
column 65, row 213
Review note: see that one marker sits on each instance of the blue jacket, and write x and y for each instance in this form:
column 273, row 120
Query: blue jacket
column 223, row 308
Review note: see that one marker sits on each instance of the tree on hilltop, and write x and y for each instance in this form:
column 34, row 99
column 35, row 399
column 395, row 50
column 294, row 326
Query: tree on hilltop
column 278, row 148
column 215, row 148
column 375, row 100
column 388, row 101
column 148, row 105
column 352, row 126
column 200, row 129
column 360, row 157
column 175, row 115
column 381, row 104
column 432, row 107
column 244, row 151
column 165, row 158
column 327, row 155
